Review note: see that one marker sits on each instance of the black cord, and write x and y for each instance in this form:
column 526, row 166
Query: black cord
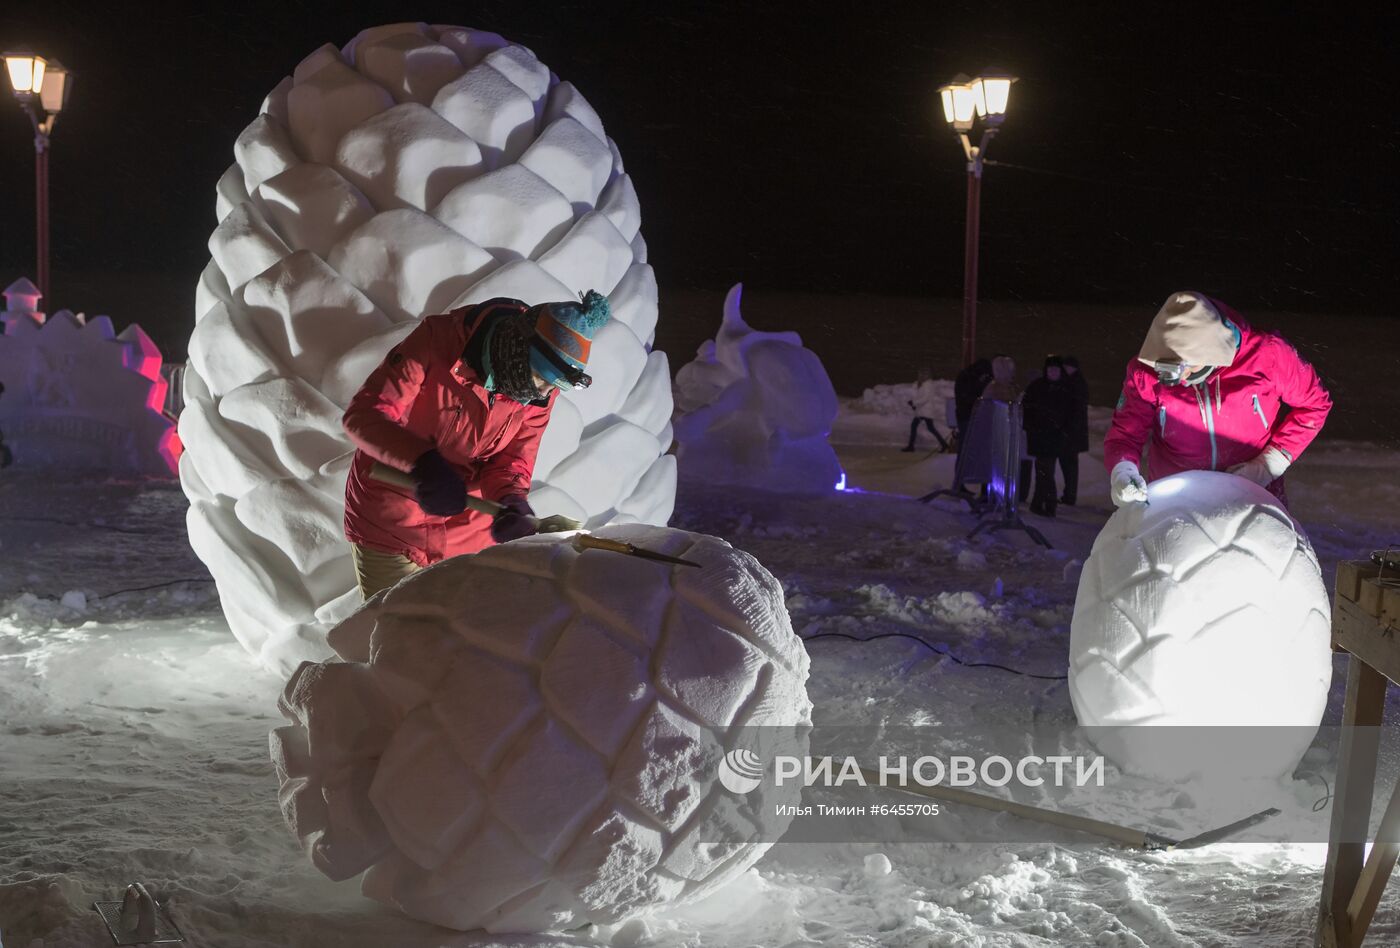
column 930, row 646
column 1321, row 804
column 173, row 582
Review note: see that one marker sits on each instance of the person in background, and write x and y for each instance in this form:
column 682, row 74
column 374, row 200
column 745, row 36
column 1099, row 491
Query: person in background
column 459, row 405
column 967, row 388
column 1077, row 437
column 1209, row 393
column 924, row 404
column 1048, row 411
column 1002, row 387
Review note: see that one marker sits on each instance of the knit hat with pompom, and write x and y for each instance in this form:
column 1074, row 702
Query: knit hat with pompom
column 564, row 336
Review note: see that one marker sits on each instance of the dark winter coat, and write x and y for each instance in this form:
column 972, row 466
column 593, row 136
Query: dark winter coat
column 426, row 395
column 967, row 388
column 1077, row 437
column 1048, row 410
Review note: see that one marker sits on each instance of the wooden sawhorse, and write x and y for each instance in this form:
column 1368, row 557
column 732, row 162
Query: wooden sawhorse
column 1365, row 618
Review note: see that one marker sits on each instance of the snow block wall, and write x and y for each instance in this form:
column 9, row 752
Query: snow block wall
column 529, row 738
column 418, row 169
column 80, row 397
column 756, row 409
column 1205, row 608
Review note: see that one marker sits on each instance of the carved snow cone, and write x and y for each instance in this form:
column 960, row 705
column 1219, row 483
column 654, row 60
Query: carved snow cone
column 530, row 738
column 1204, row 609
column 419, row 168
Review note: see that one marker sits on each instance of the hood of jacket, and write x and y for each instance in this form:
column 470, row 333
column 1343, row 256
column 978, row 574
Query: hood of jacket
column 1191, row 329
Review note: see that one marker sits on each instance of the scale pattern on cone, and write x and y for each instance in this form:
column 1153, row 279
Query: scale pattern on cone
column 419, row 168
column 1204, row 609
column 530, row 738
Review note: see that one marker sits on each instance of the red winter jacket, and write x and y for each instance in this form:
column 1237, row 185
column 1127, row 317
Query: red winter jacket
column 424, row 396
column 1267, row 396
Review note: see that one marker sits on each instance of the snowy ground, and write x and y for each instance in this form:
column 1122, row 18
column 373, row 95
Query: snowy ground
column 133, row 728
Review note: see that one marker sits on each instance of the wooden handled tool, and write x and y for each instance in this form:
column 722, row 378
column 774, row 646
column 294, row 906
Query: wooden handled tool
column 557, row 523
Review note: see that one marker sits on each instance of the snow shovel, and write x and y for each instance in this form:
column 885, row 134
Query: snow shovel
column 138, row 919
column 556, row 523
column 1135, row 838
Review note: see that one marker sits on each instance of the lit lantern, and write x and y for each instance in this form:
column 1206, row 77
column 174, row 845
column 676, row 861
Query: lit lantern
column 959, row 103
column 991, row 92
column 26, row 72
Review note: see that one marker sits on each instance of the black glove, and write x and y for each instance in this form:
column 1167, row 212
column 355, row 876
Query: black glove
column 516, row 520
column 441, row 490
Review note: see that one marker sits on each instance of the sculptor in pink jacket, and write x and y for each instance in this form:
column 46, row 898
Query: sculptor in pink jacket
column 1208, row 393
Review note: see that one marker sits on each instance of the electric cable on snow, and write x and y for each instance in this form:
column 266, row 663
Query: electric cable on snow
column 933, row 648
column 135, row 589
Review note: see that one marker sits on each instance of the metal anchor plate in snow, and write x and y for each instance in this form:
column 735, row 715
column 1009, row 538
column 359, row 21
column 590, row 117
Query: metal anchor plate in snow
column 138, row 920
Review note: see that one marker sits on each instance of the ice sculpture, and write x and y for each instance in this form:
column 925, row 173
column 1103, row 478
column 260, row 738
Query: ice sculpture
column 417, row 169
column 529, row 738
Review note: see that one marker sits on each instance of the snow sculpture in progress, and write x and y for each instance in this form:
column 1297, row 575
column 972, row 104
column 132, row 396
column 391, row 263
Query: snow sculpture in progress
column 1205, row 607
column 756, row 408
column 79, row 396
column 529, row 738
column 418, row 169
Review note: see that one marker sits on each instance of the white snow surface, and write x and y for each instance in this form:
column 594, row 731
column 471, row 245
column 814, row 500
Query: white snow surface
column 135, row 729
column 80, row 396
column 528, row 739
column 1204, row 607
column 418, row 169
column 755, row 409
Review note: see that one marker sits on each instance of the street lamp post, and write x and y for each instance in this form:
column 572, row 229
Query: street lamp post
column 964, row 101
column 42, row 88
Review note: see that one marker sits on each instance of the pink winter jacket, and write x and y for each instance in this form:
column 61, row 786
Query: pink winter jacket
column 423, row 395
column 1267, row 396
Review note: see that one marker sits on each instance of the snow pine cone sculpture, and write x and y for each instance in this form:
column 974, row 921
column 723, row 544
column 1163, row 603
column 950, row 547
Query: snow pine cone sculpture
column 530, row 738
column 1205, row 608
column 418, row 169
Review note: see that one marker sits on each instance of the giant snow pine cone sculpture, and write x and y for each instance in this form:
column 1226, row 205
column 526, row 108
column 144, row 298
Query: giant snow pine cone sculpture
column 1204, row 611
column 419, row 168
column 531, row 738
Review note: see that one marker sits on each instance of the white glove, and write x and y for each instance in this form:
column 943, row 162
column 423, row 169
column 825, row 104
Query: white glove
column 1264, row 469
column 1127, row 484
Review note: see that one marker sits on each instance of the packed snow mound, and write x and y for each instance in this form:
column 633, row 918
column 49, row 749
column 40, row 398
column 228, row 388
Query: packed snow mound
column 756, row 408
column 1204, row 608
column 528, row 738
column 895, row 399
column 80, row 397
column 418, row 169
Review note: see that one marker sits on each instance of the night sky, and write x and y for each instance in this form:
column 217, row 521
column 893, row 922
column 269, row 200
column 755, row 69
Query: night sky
column 800, row 146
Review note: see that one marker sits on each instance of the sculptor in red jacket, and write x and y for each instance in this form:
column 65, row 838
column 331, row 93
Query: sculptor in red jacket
column 1209, row 393
column 459, row 405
